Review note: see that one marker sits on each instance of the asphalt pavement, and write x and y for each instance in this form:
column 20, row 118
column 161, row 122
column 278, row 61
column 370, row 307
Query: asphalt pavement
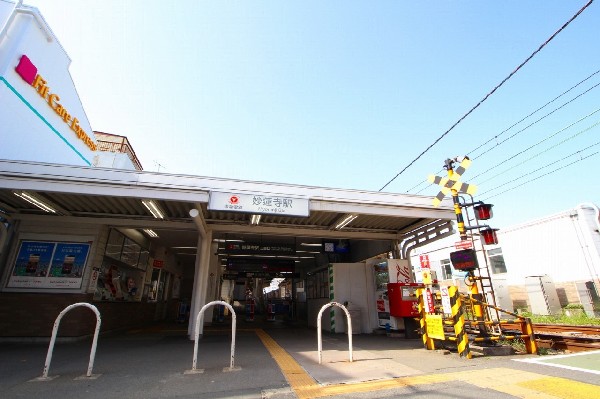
column 281, row 361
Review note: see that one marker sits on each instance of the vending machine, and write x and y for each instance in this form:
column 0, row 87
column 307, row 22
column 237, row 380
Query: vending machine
column 390, row 271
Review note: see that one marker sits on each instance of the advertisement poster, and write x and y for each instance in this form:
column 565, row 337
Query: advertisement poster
column 116, row 281
column 43, row 264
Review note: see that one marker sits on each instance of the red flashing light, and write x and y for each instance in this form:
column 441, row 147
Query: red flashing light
column 484, row 211
column 489, row 236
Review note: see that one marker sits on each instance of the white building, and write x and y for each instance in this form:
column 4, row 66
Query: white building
column 42, row 116
column 561, row 252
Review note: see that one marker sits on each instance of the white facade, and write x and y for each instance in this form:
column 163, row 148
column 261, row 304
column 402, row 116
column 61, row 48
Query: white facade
column 42, row 116
column 563, row 248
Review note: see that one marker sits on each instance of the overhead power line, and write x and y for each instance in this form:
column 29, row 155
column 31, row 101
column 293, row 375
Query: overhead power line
column 490, row 93
column 536, row 178
column 538, row 143
column 523, row 129
column 544, row 151
column 535, row 122
column 539, row 109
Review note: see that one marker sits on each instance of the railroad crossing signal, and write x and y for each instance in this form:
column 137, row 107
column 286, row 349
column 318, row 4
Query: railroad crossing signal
column 451, row 182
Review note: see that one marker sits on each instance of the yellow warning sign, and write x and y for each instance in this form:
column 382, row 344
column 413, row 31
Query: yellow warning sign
column 435, row 327
column 426, row 276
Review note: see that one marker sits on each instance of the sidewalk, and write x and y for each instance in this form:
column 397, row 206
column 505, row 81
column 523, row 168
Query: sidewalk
column 277, row 363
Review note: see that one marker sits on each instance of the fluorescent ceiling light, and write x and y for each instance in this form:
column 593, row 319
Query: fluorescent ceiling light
column 151, row 233
column 222, row 240
column 153, row 208
column 34, row 200
column 255, row 220
column 343, row 222
column 311, row 244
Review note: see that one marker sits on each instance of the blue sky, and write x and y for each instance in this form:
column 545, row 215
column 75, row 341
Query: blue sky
column 346, row 93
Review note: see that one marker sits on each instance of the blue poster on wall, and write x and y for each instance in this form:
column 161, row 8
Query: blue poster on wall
column 69, row 259
column 33, row 258
column 49, row 264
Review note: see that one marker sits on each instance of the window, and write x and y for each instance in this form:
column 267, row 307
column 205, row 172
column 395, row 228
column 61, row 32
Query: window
column 496, row 260
column 446, row 267
column 317, row 284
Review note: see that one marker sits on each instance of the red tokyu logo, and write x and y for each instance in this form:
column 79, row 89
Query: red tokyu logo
column 234, row 199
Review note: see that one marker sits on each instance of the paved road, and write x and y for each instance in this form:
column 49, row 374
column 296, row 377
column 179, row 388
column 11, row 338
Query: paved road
column 281, row 364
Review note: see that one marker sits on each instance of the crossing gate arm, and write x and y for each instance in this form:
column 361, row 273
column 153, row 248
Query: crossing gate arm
column 320, row 333
column 88, row 374
column 199, row 327
column 527, row 333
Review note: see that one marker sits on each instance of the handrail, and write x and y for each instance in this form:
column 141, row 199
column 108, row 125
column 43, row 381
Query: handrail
column 199, row 326
column 44, row 376
column 319, row 332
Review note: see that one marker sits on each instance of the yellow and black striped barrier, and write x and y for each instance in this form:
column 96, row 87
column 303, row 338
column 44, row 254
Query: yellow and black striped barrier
column 462, row 330
column 427, row 341
column 462, row 339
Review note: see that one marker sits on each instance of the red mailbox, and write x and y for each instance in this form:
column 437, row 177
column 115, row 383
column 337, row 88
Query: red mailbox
column 403, row 299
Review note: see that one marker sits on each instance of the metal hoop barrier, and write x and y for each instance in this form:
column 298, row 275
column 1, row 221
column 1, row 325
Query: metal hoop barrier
column 319, row 333
column 199, row 327
column 53, row 339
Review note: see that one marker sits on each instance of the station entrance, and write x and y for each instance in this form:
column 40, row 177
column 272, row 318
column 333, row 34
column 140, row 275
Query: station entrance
column 154, row 241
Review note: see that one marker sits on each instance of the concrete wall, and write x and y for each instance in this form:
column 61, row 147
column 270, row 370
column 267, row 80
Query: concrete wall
column 30, row 312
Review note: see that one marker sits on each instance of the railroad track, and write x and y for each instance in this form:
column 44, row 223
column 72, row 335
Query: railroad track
column 564, row 337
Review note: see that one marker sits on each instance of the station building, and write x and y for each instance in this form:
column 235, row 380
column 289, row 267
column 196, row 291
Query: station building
column 82, row 222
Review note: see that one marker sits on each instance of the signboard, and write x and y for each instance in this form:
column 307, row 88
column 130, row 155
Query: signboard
column 261, row 265
column 446, row 304
column 399, row 271
column 424, row 259
column 234, row 275
column 464, row 244
column 265, row 204
column 428, row 301
column 29, row 73
column 253, row 248
column 426, row 276
column 464, row 260
column 45, row 264
column 435, row 326
column 157, row 263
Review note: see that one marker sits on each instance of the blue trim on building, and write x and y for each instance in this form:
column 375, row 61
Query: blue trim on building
column 44, row 120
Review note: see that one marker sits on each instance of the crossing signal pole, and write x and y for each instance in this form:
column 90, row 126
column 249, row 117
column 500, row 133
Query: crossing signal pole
column 465, row 259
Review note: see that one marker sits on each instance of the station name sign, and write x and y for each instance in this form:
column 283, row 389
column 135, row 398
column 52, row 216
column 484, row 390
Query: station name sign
column 28, row 72
column 255, row 248
column 258, row 204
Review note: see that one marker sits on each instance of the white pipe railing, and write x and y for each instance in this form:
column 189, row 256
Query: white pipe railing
column 199, row 327
column 319, row 332
column 55, row 331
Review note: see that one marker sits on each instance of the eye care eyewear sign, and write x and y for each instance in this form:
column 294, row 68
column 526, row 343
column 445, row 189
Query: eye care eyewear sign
column 29, row 73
